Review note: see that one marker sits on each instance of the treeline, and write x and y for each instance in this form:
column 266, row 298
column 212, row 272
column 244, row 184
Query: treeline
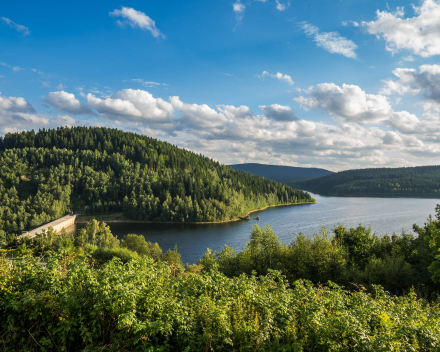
column 101, row 171
column 422, row 181
column 351, row 258
column 85, row 299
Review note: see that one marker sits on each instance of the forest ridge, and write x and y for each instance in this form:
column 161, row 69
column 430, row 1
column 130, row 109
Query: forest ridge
column 281, row 173
column 421, row 181
column 100, row 170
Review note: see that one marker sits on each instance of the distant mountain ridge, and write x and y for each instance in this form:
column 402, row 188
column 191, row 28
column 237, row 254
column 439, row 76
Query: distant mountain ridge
column 420, row 181
column 284, row 174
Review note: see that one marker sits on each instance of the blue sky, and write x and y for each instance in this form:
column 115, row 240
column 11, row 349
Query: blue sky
column 339, row 85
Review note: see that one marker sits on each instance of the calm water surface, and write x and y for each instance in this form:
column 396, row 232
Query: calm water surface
column 384, row 215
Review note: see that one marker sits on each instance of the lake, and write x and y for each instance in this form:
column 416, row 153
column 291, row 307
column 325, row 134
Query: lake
column 384, row 215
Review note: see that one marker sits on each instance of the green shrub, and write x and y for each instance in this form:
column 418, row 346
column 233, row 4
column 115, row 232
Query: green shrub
column 70, row 306
column 107, row 254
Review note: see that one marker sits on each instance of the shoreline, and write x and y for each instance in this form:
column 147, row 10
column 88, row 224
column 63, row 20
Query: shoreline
column 128, row 221
column 359, row 196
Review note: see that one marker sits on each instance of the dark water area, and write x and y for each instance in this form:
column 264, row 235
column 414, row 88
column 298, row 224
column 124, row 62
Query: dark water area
column 384, row 215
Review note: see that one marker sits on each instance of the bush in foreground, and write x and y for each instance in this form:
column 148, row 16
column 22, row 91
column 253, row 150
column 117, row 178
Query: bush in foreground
column 71, row 305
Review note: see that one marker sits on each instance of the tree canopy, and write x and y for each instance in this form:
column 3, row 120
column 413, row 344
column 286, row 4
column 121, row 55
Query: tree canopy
column 422, row 181
column 101, row 170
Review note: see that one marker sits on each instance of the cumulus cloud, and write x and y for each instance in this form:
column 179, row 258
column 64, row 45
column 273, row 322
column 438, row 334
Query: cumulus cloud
column 419, row 34
column 17, row 114
column 333, row 42
column 18, row 27
column 196, row 116
column 427, row 80
column 14, row 104
column 133, row 105
column 279, row 112
column 348, row 103
column 67, row 102
column 236, row 133
column 138, row 19
column 278, row 75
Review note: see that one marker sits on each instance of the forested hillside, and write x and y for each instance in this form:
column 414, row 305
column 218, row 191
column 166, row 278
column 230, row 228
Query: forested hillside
column 423, row 181
column 101, row 170
column 279, row 173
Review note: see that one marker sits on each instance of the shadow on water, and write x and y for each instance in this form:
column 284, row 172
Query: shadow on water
column 384, row 215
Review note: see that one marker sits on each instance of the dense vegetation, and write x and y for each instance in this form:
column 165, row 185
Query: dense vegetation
column 69, row 305
column 143, row 300
column 101, row 170
column 423, row 181
column 351, row 258
column 284, row 174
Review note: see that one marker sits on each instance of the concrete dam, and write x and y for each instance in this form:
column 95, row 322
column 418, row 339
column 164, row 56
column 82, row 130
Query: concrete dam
column 57, row 225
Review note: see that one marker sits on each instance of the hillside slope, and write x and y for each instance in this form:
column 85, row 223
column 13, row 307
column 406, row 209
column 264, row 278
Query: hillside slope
column 284, row 174
column 422, row 181
column 101, row 170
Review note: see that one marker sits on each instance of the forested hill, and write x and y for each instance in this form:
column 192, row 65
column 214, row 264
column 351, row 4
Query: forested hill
column 101, row 170
column 423, row 181
column 284, row 174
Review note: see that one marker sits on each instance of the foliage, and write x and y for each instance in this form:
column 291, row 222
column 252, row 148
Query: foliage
column 141, row 306
column 106, row 295
column 101, row 171
column 138, row 244
column 348, row 257
column 421, row 181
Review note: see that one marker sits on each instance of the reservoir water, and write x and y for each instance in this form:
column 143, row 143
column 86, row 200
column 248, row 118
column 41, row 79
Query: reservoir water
column 384, row 215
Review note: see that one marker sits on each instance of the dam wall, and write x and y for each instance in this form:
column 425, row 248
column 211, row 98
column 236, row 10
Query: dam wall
column 57, row 225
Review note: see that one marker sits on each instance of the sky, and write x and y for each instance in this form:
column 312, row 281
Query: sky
column 334, row 84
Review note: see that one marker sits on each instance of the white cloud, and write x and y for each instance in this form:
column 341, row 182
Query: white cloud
column 136, row 18
column 17, row 114
column 278, row 75
column 353, row 23
column 333, row 42
column 60, row 87
column 133, row 105
column 279, row 112
column 15, row 104
column 408, row 58
column 348, row 104
column 67, row 102
column 197, row 116
column 410, row 81
column 275, row 135
column 113, row 106
column 238, row 9
column 65, row 120
column 282, row 7
column 18, row 27
column 419, row 34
